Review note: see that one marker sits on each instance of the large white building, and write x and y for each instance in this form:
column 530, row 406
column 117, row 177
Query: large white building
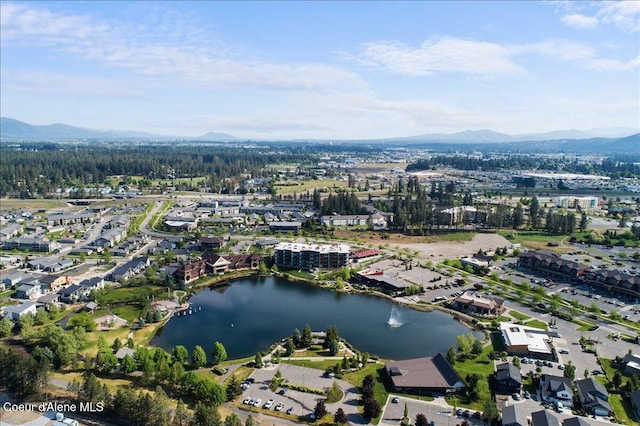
column 527, row 341
column 569, row 202
column 311, row 256
column 377, row 220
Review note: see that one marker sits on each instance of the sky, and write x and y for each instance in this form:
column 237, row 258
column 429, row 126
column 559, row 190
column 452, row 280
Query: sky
column 321, row 69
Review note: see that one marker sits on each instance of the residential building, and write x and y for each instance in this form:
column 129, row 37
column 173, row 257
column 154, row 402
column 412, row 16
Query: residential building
column 360, row 255
column 69, row 219
column 212, row 243
column 514, row 415
column 544, row 418
column 93, row 283
column 74, row 293
column 551, row 264
column 426, row 375
column 52, row 283
column 376, row 220
column 29, row 292
column 593, row 396
column 311, row 256
column 48, row 300
column 634, row 398
column 508, row 379
column 556, row 389
column 129, row 269
column 191, row 271
column 576, row 421
column 15, row 312
column 285, row 226
column 571, row 202
column 11, row 230
column 33, row 244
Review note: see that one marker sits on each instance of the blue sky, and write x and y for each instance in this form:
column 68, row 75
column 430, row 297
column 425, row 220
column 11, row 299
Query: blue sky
column 322, row 70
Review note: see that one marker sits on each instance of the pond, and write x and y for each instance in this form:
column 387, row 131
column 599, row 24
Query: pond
column 252, row 313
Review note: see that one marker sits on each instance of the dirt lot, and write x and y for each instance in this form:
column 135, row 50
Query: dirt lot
column 434, row 247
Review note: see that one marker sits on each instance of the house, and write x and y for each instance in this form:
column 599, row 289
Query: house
column 593, row 396
column 52, row 283
column 556, row 389
column 122, row 352
column 11, row 230
column 508, row 379
column 634, row 398
column 129, row 269
column 576, row 421
column 93, row 283
column 476, row 305
column 73, row 293
column 243, row 261
column 28, row 291
column 16, row 312
column 514, row 415
column 426, row 375
column 267, row 243
column 12, row 278
column 544, row 418
column 49, row 300
column 212, row 243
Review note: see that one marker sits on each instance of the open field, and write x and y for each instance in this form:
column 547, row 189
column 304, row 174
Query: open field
column 300, row 187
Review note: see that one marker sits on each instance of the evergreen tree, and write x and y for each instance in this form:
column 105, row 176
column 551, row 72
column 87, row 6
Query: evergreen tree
column 219, row 353
column 199, row 357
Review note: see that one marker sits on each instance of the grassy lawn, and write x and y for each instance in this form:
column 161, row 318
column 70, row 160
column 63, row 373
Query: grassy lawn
column 381, row 387
column 318, row 365
column 129, row 312
column 127, row 294
column 532, row 239
column 298, row 274
column 482, row 364
column 537, row 324
column 290, row 187
column 622, row 409
column 519, row 315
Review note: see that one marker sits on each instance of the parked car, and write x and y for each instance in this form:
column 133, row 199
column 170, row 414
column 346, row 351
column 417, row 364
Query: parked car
column 268, row 404
column 527, row 395
column 279, row 407
column 257, row 402
column 395, row 400
column 289, row 410
column 515, row 397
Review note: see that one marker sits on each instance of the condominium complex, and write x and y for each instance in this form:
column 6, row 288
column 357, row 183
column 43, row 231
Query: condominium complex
column 311, row 256
column 585, row 203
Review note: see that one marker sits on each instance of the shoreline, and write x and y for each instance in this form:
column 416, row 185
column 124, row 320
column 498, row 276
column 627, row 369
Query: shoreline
column 227, row 280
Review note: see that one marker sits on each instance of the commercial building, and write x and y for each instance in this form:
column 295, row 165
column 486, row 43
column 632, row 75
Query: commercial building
column 475, row 305
column 527, row 341
column 434, row 376
column 311, row 256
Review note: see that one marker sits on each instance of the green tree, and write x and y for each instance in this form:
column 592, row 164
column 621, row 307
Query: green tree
column 320, row 409
column 199, row 357
column 451, row 355
column 83, row 320
column 617, row 379
column 331, row 334
column 219, row 353
column 340, row 418
column 182, row 417
column 371, row 408
column 516, row 361
column 232, row 420
column 306, row 336
column 257, row 361
column 234, row 388
column 6, row 326
column 570, row 370
column 180, row 354
column 206, row 415
column 421, row 420
column 128, row 364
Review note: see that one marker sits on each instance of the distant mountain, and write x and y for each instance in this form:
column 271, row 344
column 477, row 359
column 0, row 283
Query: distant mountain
column 17, row 130
column 213, row 136
column 11, row 129
column 477, row 136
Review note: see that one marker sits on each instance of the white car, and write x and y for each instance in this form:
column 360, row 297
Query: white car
column 268, row 404
column 257, row 402
column 279, row 407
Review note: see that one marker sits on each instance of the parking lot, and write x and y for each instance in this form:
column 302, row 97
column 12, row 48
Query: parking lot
column 296, row 403
column 437, row 411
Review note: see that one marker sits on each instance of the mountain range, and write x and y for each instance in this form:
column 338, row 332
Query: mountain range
column 11, row 129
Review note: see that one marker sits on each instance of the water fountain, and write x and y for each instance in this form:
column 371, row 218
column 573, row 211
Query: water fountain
column 395, row 319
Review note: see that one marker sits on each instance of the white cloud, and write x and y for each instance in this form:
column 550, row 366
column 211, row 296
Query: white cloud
column 184, row 55
column 445, row 54
column 623, row 14
column 577, row 20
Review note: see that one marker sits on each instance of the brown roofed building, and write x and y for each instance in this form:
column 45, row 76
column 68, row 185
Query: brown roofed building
column 472, row 304
column 425, row 376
